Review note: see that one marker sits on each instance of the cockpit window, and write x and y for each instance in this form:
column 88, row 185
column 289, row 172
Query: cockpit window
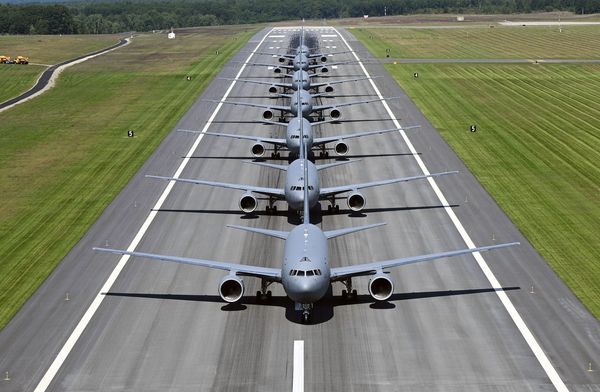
column 300, row 273
column 310, row 273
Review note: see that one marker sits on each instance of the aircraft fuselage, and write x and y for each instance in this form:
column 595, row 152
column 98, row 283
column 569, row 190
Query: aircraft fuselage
column 305, row 272
column 294, row 185
column 304, row 101
column 293, row 134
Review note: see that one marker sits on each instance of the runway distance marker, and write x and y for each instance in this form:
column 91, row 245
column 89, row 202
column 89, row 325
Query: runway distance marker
column 508, row 305
column 85, row 320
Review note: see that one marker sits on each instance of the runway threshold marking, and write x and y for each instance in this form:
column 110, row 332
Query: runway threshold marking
column 78, row 331
column 298, row 374
column 508, row 305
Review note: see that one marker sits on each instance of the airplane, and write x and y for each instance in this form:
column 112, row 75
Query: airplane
column 301, row 80
column 282, row 58
column 301, row 62
column 292, row 139
column 305, row 272
column 304, row 100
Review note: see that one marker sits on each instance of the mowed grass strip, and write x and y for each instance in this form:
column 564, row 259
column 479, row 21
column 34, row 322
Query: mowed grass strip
column 16, row 79
column 64, row 156
column 537, row 151
column 574, row 42
column 42, row 49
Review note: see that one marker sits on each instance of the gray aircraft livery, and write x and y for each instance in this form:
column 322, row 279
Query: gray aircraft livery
column 306, row 272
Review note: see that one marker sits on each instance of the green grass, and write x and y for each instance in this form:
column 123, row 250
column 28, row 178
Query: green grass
column 60, row 169
column 537, row 151
column 15, row 79
column 42, row 49
column 574, row 42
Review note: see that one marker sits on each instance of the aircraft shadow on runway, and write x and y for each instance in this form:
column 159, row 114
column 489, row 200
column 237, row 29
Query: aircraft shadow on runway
column 323, row 310
column 316, row 218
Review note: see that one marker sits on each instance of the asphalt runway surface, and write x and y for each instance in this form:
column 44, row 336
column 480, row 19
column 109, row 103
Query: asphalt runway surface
column 44, row 79
column 163, row 327
column 533, row 61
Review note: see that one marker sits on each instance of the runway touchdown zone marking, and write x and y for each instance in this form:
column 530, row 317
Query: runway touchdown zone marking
column 78, row 331
column 508, row 305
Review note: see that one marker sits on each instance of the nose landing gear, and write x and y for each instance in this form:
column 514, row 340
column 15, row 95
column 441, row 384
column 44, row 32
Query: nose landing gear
column 306, row 308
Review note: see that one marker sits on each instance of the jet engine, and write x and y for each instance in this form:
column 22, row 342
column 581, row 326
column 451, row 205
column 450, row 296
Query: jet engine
column 277, row 70
column 335, row 114
column 341, row 148
column 248, row 203
column 381, row 287
column 273, row 89
column 323, row 59
column 268, row 114
column 231, row 288
column 356, row 201
column 282, row 59
column 258, row 149
column 329, row 88
column 324, row 69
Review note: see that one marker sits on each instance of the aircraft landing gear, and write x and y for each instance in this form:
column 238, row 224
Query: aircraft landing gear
column 323, row 153
column 263, row 294
column 271, row 208
column 305, row 318
column 333, row 207
column 350, row 294
column 275, row 153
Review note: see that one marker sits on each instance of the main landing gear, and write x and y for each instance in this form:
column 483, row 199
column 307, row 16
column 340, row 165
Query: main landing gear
column 333, row 207
column 349, row 294
column 271, row 208
column 263, row 294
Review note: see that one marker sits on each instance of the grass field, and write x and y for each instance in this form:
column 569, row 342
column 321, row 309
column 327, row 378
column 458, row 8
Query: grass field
column 15, row 79
column 581, row 42
column 60, row 171
column 537, row 150
column 42, row 49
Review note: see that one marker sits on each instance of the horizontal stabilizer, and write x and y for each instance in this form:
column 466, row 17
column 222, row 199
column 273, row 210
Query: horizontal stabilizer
column 271, row 233
column 339, row 232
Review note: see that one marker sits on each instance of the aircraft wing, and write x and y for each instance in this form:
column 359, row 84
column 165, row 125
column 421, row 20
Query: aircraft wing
column 254, row 105
column 269, row 140
column 323, row 140
column 272, row 65
column 330, row 64
column 353, row 187
column 277, row 192
column 341, row 273
column 289, row 85
column 342, row 104
column 272, row 274
column 340, row 81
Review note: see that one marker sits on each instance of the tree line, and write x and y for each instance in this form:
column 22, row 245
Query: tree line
column 146, row 15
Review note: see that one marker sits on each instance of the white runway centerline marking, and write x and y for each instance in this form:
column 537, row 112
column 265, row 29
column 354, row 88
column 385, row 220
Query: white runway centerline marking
column 508, row 305
column 298, row 374
column 74, row 337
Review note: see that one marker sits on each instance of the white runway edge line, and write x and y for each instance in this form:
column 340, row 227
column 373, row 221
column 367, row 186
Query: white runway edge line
column 298, row 374
column 70, row 343
column 57, row 73
column 510, row 308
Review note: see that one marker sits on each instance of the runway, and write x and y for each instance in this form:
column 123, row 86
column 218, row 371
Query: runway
column 163, row 326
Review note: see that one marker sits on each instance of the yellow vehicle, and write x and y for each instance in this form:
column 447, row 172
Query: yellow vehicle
column 22, row 60
column 4, row 59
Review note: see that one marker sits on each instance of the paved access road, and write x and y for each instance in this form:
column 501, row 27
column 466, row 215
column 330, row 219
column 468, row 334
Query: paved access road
column 163, row 327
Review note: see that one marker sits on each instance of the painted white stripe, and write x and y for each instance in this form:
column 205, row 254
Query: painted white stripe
column 329, row 35
column 298, row 374
column 277, row 36
column 72, row 340
column 508, row 305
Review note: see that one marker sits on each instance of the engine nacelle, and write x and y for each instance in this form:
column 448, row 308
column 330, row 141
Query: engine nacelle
column 282, row 59
column 277, row 70
column 258, row 149
column 248, row 203
column 324, row 69
column 273, row 89
column 323, row 59
column 329, row 88
column 381, row 287
column 335, row 114
column 231, row 288
column 356, row 201
column 341, row 148
column 268, row 114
